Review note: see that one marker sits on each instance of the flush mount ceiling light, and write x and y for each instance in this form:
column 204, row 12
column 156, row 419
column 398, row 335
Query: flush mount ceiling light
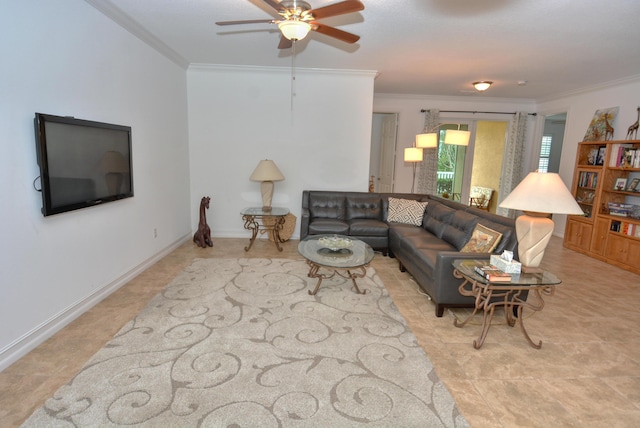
column 482, row 85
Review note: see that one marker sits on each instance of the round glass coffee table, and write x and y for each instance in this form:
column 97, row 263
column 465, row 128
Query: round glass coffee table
column 337, row 254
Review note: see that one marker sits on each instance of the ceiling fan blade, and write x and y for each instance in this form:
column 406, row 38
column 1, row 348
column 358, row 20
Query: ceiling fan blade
column 334, row 32
column 275, row 5
column 284, row 43
column 250, row 21
column 341, row 8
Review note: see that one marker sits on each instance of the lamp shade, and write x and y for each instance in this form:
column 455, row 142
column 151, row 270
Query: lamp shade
column 427, row 141
column 294, row 30
column 457, row 137
column 266, row 171
column 542, row 192
column 412, row 154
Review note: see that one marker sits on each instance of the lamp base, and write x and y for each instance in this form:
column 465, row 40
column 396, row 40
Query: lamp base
column 266, row 188
column 533, row 235
column 530, row 269
column 266, row 209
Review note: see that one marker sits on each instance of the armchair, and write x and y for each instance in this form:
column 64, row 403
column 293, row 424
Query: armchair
column 480, row 197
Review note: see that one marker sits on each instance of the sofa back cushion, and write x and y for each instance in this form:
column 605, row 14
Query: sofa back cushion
column 366, row 206
column 459, row 230
column 327, row 205
column 437, row 217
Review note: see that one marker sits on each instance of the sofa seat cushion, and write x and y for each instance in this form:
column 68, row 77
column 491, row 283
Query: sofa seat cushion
column 398, row 231
column 422, row 251
column 327, row 226
column 368, row 227
column 426, row 241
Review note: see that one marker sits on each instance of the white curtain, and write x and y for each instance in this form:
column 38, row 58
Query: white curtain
column 428, row 169
column 512, row 165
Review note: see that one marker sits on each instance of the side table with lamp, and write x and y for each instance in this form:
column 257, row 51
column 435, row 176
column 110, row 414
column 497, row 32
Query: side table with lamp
column 538, row 196
column 266, row 173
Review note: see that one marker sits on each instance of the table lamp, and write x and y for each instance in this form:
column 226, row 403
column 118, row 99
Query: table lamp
column 539, row 195
column 266, row 172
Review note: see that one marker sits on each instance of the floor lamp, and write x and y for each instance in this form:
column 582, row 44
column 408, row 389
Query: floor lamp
column 539, row 195
column 413, row 155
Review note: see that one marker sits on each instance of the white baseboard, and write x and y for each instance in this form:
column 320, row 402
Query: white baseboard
column 25, row 344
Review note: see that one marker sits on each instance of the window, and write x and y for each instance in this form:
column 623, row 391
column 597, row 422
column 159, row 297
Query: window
column 545, row 152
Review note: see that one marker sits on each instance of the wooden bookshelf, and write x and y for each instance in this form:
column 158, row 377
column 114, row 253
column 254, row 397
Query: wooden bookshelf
column 606, row 185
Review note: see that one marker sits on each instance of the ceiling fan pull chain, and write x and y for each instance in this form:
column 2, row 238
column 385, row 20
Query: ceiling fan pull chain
column 293, row 72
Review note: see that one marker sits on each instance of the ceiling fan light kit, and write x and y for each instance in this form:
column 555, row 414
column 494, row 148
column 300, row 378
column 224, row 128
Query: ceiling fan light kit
column 297, row 19
column 294, row 30
column 482, row 85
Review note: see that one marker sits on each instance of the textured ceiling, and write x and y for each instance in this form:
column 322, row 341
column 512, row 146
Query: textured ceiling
column 422, row 47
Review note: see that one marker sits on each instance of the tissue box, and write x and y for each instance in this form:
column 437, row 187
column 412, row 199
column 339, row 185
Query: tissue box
column 505, row 266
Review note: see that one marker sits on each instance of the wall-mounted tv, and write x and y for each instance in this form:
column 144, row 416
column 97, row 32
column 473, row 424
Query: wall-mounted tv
column 82, row 163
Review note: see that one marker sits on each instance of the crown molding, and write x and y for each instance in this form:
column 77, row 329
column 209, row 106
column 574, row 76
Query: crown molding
column 287, row 70
column 119, row 17
column 593, row 88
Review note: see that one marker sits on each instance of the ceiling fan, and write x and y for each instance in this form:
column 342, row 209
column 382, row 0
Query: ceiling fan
column 298, row 18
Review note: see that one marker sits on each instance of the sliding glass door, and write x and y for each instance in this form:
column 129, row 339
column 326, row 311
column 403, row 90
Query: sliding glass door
column 460, row 168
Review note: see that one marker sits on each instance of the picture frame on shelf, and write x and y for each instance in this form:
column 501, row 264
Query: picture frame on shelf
column 602, row 150
column 592, row 157
column 633, row 185
column 621, row 184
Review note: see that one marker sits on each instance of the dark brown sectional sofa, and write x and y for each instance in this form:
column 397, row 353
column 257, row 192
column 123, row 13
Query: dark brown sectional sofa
column 426, row 251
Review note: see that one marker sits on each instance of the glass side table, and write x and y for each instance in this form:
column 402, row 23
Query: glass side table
column 489, row 295
column 348, row 262
column 254, row 220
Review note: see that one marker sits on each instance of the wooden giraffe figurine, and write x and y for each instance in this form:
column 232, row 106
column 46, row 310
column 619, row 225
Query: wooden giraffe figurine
column 202, row 237
column 608, row 132
column 633, row 129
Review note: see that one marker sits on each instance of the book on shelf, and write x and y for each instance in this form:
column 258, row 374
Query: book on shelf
column 621, row 210
column 624, row 228
column 588, row 179
column 624, row 155
column 492, row 273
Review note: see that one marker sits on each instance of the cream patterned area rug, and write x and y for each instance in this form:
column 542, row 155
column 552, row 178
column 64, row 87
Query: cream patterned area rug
column 240, row 342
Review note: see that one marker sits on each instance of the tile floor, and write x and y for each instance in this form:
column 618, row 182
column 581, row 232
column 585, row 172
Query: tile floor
column 587, row 373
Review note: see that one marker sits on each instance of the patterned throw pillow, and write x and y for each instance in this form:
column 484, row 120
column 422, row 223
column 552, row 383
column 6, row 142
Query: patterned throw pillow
column 406, row 211
column 483, row 240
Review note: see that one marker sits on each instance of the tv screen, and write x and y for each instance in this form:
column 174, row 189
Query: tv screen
column 82, row 163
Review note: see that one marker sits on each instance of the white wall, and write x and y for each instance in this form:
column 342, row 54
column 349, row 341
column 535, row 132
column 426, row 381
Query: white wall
column 580, row 108
column 411, row 120
column 240, row 115
column 66, row 58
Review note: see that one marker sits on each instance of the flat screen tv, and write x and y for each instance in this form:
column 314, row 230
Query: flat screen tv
column 82, row 163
